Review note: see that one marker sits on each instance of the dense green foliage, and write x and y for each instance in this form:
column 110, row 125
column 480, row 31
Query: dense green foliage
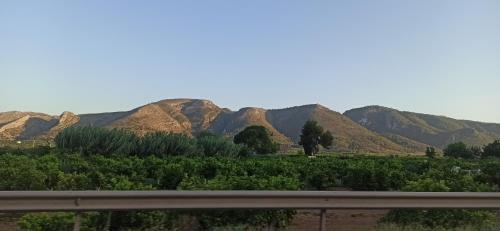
column 92, row 140
column 257, row 139
column 167, row 144
column 461, row 150
column 47, row 222
column 117, row 160
column 433, row 219
column 492, row 150
column 213, row 145
column 118, row 172
column 312, row 136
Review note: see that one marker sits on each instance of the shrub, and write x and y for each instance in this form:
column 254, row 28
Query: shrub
column 217, row 146
column 20, row 173
column 47, row 221
column 441, row 219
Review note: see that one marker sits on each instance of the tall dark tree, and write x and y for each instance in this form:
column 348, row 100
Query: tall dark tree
column 492, row 149
column 258, row 139
column 312, row 136
column 430, row 152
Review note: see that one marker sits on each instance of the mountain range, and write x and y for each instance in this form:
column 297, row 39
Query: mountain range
column 372, row 129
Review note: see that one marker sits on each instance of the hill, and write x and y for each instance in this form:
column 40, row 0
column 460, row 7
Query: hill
column 372, row 129
column 418, row 128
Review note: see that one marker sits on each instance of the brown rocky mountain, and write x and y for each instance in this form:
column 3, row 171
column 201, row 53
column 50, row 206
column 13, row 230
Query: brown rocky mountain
column 349, row 136
column 25, row 125
column 416, row 128
column 371, row 129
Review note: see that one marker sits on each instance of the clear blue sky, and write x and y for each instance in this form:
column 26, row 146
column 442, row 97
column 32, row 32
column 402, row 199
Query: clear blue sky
column 432, row 56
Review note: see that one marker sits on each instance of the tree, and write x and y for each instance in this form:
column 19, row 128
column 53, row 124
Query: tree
column 460, row 150
column 430, row 152
column 213, row 145
column 492, row 149
column 258, row 139
column 312, row 136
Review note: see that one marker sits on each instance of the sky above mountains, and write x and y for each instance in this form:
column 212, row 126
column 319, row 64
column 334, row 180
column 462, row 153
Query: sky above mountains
column 437, row 57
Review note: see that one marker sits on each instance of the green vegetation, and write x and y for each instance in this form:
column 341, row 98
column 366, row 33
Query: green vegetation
column 492, row 150
column 162, row 161
column 461, row 150
column 59, row 171
column 312, row 136
column 257, row 139
column 430, row 152
column 92, row 140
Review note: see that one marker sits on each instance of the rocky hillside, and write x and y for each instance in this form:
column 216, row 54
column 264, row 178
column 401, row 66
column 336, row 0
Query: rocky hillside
column 25, row 125
column 370, row 129
column 416, row 128
column 349, row 136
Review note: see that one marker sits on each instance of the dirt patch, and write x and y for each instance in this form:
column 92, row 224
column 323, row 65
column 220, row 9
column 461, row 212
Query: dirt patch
column 338, row 220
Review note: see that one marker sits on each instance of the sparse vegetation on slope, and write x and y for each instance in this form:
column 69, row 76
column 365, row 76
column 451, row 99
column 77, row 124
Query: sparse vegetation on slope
column 437, row 131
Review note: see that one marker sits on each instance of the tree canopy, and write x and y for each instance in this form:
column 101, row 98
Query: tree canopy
column 492, row 150
column 312, row 136
column 258, row 139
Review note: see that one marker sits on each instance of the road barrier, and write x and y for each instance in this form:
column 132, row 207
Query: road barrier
column 81, row 201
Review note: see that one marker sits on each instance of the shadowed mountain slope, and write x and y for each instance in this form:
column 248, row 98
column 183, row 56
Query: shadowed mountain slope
column 437, row 131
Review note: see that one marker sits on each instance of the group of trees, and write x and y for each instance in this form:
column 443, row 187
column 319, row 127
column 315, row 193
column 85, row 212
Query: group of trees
column 461, row 150
column 252, row 140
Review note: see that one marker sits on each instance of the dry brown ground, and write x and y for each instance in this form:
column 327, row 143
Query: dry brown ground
column 307, row 220
column 338, row 220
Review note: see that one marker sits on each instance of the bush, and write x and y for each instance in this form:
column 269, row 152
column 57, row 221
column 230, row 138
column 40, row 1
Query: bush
column 442, row 219
column 47, row 222
column 218, row 146
column 251, row 218
column 20, row 173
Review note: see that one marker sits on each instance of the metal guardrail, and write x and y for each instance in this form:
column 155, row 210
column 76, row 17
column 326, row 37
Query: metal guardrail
column 80, row 201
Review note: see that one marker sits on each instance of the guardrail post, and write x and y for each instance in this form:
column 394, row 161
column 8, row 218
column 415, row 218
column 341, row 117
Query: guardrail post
column 322, row 220
column 78, row 220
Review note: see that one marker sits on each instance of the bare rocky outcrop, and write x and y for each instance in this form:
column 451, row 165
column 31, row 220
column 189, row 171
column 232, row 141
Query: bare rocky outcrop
column 30, row 126
column 66, row 120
